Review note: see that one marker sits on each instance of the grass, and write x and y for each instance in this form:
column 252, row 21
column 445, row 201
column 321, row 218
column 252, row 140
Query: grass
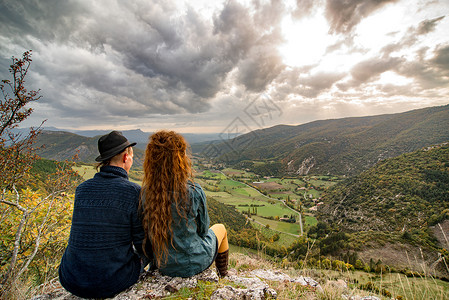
column 228, row 183
column 284, row 239
column 414, row 287
column 88, row 172
column 239, row 173
column 314, row 193
column 85, row 171
column 212, row 175
column 337, row 283
column 396, row 283
column 322, row 183
column 249, row 192
column 310, row 220
column 292, row 228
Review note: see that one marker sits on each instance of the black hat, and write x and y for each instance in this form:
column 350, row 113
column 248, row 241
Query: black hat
column 111, row 144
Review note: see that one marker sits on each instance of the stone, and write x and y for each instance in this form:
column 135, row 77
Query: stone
column 248, row 285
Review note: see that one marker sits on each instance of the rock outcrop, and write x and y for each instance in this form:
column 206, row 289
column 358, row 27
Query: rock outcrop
column 249, row 285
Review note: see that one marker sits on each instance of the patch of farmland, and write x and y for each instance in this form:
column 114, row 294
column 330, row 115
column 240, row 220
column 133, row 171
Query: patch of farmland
column 284, row 239
column 249, row 192
column 85, row 171
column 268, row 186
column 280, row 226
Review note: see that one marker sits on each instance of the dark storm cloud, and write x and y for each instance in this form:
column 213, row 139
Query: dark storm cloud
column 148, row 54
column 343, row 16
column 257, row 71
column 48, row 20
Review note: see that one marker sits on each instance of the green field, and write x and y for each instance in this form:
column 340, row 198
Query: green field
column 211, row 175
column 231, row 183
column 284, row 195
column 85, row 171
column 280, row 226
column 242, row 203
column 284, row 239
column 88, row 172
column 311, row 221
column 238, row 173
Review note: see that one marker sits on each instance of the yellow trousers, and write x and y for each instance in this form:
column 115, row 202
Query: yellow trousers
column 222, row 237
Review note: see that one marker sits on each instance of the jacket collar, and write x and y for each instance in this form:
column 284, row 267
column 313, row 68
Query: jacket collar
column 110, row 171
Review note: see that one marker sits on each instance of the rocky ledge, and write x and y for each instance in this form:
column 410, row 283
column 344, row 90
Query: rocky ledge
column 248, row 285
column 154, row 285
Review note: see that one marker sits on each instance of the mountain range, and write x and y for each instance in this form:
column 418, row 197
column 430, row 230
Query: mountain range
column 58, row 144
column 137, row 135
column 344, row 146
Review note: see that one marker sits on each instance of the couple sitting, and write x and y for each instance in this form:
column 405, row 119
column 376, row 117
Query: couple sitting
column 118, row 226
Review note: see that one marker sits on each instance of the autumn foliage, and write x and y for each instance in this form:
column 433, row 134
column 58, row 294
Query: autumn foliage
column 34, row 218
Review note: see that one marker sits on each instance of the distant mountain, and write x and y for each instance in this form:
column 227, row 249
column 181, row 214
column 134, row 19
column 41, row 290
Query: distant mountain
column 405, row 193
column 340, row 146
column 139, row 136
column 61, row 145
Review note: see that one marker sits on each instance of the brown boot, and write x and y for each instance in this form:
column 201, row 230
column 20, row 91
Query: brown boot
column 221, row 262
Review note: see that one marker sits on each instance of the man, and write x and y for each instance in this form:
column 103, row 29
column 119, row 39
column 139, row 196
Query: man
column 100, row 260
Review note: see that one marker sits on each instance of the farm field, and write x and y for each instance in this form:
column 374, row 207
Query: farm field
column 292, row 228
column 238, row 173
column 284, row 239
column 310, row 220
column 242, row 203
column 88, row 171
column 85, row 171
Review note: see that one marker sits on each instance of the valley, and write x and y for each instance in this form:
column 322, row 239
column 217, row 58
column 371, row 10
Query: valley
column 283, row 205
column 351, row 201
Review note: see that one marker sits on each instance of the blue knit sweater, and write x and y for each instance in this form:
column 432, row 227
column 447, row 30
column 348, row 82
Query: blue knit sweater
column 99, row 260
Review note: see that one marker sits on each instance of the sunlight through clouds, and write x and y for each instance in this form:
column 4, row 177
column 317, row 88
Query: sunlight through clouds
column 306, row 40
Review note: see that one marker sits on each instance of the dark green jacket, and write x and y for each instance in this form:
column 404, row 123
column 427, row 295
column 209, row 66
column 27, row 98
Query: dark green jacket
column 195, row 244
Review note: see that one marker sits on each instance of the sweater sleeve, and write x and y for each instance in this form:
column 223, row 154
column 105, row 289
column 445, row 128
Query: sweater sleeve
column 203, row 221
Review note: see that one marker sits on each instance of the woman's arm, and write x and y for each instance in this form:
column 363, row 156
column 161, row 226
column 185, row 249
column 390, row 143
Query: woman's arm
column 202, row 219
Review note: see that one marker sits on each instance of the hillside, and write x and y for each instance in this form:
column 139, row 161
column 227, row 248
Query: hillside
column 61, row 145
column 342, row 146
column 404, row 193
column 397, row 211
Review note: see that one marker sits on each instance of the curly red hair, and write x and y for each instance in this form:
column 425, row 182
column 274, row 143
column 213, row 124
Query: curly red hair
column 167, row 169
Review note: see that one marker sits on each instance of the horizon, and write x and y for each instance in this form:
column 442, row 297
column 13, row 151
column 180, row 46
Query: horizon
column 220, row 132
column 205, row 67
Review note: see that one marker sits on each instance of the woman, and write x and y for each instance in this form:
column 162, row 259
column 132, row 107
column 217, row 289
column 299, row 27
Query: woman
column 175, row 217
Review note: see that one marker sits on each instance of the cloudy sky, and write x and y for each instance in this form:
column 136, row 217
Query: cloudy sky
column 203, row 66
